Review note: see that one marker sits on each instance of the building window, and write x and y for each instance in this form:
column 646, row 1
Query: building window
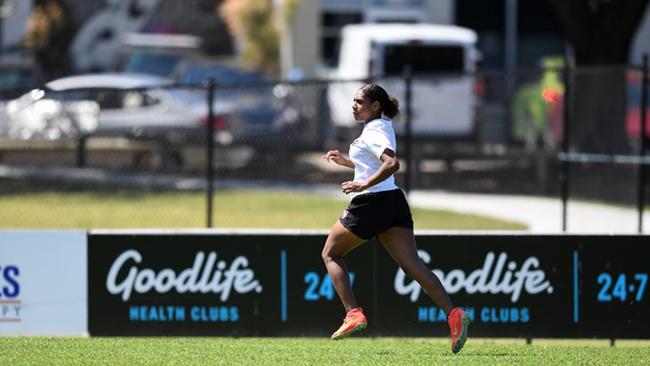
column 399, row 3
column 332, row 22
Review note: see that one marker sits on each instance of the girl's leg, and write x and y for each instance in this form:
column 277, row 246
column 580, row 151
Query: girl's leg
column 400, row 243
column 339, row 242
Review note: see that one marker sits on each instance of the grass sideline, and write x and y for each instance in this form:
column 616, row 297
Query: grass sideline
column 314, row 351
column 232, row 209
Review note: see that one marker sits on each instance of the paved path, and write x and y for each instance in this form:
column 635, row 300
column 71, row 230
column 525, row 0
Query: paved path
column 542, row 215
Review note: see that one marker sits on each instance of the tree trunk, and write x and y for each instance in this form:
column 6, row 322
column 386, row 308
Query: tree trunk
column 598, row 110
column 601, row 33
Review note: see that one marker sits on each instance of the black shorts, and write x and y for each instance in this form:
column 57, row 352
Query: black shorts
column 373, row 213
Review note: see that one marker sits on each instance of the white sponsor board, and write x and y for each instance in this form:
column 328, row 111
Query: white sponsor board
column 43, row 282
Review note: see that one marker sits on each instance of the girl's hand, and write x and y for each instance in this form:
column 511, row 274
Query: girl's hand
column 338, row 158
column 352, row 186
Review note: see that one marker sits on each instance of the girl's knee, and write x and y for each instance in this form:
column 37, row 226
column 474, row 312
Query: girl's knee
column 327, row 254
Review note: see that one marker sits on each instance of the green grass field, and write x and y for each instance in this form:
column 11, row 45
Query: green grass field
column 315, row 351
column 232, row 209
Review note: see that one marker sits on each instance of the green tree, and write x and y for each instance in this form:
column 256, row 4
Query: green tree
column 256, row 24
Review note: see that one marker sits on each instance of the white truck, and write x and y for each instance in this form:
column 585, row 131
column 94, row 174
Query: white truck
column 442, row 59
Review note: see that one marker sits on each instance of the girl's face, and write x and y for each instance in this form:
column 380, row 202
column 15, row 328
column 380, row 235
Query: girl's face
column 363, row 109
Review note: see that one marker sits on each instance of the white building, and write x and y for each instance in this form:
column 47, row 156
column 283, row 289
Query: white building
column 13, row 20
column 314, row 35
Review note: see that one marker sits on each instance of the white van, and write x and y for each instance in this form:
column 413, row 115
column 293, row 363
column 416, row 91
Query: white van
column 442, row 58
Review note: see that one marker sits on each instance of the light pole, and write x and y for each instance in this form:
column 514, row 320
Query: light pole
column 510, row 56
column 510, row 48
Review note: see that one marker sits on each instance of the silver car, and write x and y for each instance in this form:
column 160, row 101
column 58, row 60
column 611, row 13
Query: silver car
column 129, row 105
column 152, row 107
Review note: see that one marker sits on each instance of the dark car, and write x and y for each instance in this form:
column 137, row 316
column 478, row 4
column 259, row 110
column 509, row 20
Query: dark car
column 255, row 110
column 18, row 77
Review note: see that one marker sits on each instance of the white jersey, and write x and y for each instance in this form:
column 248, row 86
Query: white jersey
column 366, row 150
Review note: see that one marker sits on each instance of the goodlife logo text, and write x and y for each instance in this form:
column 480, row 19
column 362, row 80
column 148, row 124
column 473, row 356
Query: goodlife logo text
column 206, row 275
column 491, row 278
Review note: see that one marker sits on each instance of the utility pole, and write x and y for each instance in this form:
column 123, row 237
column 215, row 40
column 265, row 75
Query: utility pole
column 510, row 56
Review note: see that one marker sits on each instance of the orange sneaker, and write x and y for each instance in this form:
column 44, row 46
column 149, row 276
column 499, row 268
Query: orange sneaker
column 458, row 325
column 354, row 321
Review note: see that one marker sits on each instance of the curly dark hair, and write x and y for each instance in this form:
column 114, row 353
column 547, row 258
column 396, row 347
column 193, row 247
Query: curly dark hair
column 389, row 104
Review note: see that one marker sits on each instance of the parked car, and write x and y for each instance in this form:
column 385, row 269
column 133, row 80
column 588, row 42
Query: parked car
column 155, row 54
column 443, row 59
column 129, row 105
column 18, row 77
column 224, row 73
column 268, row 113
column 148, row 107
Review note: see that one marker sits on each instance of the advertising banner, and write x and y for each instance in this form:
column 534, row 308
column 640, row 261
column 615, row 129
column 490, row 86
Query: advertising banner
column 525, row 286
column 43, row 283
column 275, row 284
column 511, row 286
column 239, row 285
column 613, row 300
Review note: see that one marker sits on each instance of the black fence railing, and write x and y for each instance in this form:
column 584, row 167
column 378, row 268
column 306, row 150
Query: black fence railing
column 456, row 132
column 601, row 148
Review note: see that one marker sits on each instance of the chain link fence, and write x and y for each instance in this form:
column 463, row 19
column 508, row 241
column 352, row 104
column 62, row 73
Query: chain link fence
column 488, row 132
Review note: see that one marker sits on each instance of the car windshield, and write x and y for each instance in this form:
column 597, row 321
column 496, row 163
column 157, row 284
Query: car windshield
column 423, row 59
column 154, row 64
column 221, row 75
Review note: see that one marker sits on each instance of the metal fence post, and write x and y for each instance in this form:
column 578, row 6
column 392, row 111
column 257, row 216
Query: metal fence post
column 81, row 151
column 408, row 129
column 642, row 135
column 564, row 174
column 210, row 150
